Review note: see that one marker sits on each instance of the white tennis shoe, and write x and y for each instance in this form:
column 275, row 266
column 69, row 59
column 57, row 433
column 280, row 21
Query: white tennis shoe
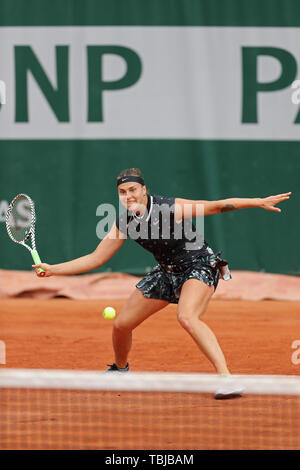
column 228, row 390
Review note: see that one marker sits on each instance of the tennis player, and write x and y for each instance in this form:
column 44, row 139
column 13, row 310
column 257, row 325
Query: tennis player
column 187, row 273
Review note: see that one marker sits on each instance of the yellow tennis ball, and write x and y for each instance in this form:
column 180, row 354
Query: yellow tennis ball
column 109, row 313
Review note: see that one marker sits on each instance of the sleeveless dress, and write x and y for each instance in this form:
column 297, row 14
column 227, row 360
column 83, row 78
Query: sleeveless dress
column 180, row 251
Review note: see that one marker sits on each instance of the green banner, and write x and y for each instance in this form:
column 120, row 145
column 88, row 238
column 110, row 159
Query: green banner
column 69, row 180
column 197, row 94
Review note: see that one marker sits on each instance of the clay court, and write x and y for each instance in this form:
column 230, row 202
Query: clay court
column 153, row 117
column 256, row 338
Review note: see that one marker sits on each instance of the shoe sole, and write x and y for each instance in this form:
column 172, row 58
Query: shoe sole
column 228, row 395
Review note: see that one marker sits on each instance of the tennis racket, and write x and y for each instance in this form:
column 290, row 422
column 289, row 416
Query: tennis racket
column 20, row 224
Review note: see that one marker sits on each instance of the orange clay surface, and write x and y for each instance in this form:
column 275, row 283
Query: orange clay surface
column 256, row 338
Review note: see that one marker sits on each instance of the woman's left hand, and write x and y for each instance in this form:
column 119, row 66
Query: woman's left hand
column 270, row 202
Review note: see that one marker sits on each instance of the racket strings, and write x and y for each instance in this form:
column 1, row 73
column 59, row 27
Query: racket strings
column 20, row 219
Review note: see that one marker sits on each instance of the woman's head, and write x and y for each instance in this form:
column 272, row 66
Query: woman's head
column 131, row 189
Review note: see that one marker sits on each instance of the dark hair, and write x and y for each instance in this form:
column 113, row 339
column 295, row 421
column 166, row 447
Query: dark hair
column 130, row 172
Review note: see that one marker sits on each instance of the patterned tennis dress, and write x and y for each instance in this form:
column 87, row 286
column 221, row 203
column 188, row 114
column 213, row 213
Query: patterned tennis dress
column 181, row 252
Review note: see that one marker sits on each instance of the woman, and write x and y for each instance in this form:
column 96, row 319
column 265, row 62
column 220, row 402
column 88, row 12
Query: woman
column 187, row 273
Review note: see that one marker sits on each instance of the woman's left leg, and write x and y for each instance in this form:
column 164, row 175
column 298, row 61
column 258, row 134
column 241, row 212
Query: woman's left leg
column 194, row 298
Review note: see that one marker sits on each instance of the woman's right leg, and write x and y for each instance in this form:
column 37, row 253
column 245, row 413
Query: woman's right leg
column 135, row 310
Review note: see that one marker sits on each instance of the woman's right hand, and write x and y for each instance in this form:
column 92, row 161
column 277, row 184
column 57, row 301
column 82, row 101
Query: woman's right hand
column 46, row 267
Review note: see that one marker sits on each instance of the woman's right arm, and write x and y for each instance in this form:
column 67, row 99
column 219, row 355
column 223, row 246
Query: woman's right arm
column 104, row 251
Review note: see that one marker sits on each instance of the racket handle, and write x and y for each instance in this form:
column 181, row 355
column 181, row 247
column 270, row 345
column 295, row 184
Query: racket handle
column 37, row 260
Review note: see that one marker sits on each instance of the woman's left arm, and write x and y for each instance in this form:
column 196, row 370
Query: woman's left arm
column 185, row 208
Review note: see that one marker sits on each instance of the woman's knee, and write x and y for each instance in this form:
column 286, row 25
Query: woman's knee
column 185, row 319
column 122, row 325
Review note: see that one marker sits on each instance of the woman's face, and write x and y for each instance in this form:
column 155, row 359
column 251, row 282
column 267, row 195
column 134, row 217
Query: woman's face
column 132, row 195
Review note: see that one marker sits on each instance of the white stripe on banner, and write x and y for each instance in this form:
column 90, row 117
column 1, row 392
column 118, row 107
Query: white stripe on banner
column 149, row 82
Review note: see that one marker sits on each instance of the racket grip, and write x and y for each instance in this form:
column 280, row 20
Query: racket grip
column 37, row 260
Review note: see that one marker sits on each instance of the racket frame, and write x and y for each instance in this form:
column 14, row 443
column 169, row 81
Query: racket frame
column 30, row 234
